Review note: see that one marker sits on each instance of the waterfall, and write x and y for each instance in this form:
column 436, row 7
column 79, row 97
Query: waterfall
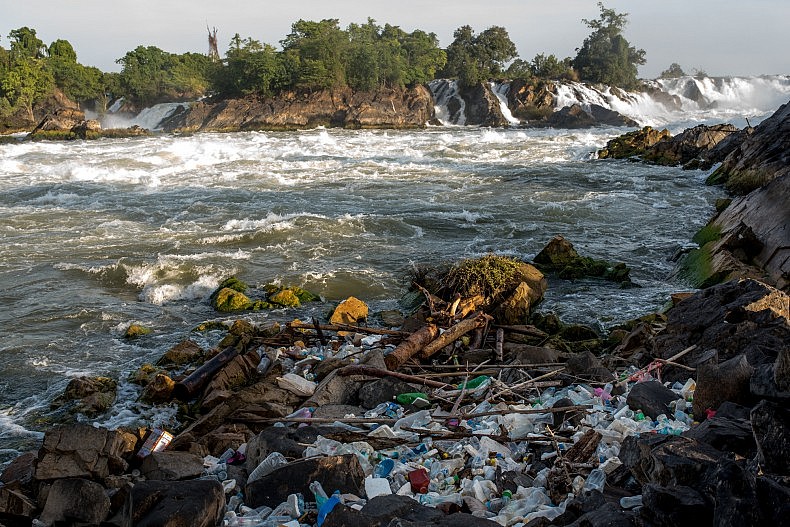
column 686, row 99
column 501, row 90
column 149, row 118
column 449, row 106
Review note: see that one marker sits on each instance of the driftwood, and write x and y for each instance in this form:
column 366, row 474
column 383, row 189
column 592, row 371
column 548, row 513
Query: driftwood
column 348, row 327
column 377, row 372
column 525, row 329
column 411, row 346
column 454, row 333
column 188, row 387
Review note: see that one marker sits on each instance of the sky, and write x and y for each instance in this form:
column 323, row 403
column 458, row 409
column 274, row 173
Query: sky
column 720, row 37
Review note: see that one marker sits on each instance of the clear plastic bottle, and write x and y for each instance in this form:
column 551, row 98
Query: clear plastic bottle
column 629, row 502
column 319, row 493
column 264, row 364
column 595, row 481
column 273, row 461
column 497, row 504
column 434, row 499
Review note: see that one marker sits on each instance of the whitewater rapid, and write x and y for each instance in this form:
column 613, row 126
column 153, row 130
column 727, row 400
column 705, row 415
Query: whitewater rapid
column 99, row 234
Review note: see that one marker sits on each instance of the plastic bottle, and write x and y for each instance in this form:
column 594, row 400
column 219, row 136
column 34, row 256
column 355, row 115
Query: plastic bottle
column 434, row 499
column 268, row 465
column 497, row 504
column 264, row 364
column 595, row 481
column 420, row 400
column 629, row 502
column 326, row 508
column 419, row 480
column 384, row 468
column 319, row 493
column 475, row 383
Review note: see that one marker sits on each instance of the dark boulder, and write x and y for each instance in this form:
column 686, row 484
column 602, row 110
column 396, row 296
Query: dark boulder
column 726, row 433
column 762, row 157
column 381, row 510
column 290, row 442
column 717, row 383
column 343, row 473
column 675, row 506
column 652, row 398
column 771, row 425
column 195, row 503
column 559, row 256
column 577, row 116
column 689, row 145
column 740, row 316
column 383, row 390
column 76, row 501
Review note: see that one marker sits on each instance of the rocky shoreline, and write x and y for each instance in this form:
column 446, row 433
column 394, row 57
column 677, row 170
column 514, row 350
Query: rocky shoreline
column 468, row 405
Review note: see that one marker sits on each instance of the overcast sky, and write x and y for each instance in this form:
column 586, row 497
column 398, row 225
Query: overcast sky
column 721, row 37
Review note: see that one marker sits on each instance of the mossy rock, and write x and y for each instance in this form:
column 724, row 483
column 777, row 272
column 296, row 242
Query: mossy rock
column 90, row 396
column 135, row 331
column 212, row 325
column 698, row 270
column 185, row 352
column 560, row 257
column 260, row 305
column 634, row 143
column 232, row 283
column 350, row 311
column 285, row 298
column 304, row 295
column 144, row 374
column 708, row 233
column 159, row 390
column 228, row 300
column 491, row 276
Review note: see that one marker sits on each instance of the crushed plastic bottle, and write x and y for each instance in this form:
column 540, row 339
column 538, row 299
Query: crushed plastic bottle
column 319, row 493
column 326, row 508
column 595, row 481
column 272, row 462
column 433, row 499
column 384, row 467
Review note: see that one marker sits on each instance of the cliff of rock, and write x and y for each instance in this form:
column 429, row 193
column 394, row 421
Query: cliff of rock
column 342, row 107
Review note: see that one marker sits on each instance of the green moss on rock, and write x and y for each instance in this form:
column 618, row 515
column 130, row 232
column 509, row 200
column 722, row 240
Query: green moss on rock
column 136, row 330
column 228, row 300
column 285, row 298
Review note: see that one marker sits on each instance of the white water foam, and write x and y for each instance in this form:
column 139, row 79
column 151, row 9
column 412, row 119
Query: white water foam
column 149, row 118
column 445, row 91
column 501, row 90
column 685, row 99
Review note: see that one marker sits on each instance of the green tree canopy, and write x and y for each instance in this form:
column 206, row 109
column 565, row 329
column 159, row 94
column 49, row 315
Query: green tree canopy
column 606, row 56
column 25, row 44
column 476, row 58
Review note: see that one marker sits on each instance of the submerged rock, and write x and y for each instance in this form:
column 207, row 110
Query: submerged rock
column 634, row 143
column 576, row 116
column 88, row 395
column 560, row 256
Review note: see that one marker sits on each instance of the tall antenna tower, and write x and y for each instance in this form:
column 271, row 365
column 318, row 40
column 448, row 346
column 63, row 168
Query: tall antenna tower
column 213, row 53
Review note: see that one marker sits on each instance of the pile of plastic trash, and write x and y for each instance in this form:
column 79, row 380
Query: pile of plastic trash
column 468, row 469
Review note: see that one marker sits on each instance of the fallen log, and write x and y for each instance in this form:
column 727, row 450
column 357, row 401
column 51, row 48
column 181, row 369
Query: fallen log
column 413, row 344
column 454, row 333
column 349, row 327
column 187, row 388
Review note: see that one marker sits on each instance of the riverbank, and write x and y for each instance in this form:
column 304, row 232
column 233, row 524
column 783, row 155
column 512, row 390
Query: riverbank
column 750, row 363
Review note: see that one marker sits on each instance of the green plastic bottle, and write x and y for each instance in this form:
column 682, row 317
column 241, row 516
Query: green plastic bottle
column 474, row 383
column 420, row 400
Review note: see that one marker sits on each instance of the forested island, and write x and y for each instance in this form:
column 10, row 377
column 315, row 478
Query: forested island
column 315, row 56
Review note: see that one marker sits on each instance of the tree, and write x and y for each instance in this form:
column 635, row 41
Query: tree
column 673, row 71
column 476, row 58
column 26, row 83
column 551, row 67
column 252, row 67
column 315, row 54
column 606, row 56
column 25, row 44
